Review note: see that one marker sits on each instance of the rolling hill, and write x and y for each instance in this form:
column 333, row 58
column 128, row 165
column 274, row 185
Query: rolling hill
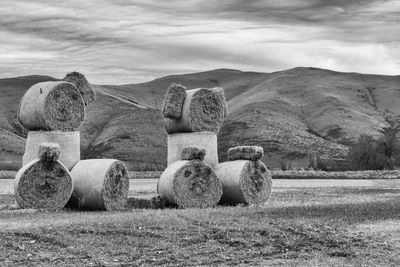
column 289, row 113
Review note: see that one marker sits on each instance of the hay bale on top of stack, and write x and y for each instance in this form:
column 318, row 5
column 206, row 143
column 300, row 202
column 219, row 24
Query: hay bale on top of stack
column 52, row 111
column 189, row 182
column 245, row 179
column 193, row 118
column 43, row 183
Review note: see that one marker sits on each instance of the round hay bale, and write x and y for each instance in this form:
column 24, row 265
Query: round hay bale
column 245, row 152
column 40, row 185
column 244, row 181
column 173, row 101
column 100, row 184
column 191, row 153
column 69, row 143
column 52, row 106
column 202, row 140
column 84, row 87
column 190, row 184
column 203, row 110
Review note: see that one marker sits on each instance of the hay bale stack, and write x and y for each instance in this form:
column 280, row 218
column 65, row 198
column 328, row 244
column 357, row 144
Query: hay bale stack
column 244, row 182
column 190, row 184
column 69, row 143
column 52, row 106
column 173, row 101
column 84, row 87
column 99, row 184
column 245, row 152
column 192, row 153
column 203, row 110
column 44, row 183
column 202, row 140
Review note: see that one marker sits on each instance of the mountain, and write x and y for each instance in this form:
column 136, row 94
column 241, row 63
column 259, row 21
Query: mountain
column 288, row 113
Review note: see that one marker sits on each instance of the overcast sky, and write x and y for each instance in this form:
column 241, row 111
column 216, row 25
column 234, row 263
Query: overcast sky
column 120, row 41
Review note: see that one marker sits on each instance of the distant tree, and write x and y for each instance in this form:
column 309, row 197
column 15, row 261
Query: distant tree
column 382, row 153
column 388, row 143
column 365, row 154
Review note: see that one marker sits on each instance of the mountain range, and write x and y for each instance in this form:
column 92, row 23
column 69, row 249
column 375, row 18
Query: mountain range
column 289, row 113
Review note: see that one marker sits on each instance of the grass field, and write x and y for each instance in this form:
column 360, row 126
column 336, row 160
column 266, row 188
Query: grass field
column 292, row 174
column 301, row 225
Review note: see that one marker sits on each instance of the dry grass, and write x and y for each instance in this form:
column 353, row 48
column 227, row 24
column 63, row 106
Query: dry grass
column 7, row 174
column 145, row 175
column 190, row 184
column 318, row 227
column 336, row 175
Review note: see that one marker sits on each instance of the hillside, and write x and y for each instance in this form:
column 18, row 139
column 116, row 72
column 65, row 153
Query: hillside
column 288, row 112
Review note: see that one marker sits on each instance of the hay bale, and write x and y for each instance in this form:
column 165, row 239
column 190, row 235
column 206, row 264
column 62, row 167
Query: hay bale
column 69, row 143
column 44, row 183
column 191, row 153
column 244, row 181
column 99, row 184
column 203, row 110
column 84, row 87
column 245, row 152
column 173, row 101
column 202, row 140
column 190, row 184
column 146, row 202
column 52, row 106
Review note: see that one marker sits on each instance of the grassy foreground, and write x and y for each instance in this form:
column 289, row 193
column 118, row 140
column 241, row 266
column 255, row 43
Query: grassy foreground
column 302, row 226
column 291, row 174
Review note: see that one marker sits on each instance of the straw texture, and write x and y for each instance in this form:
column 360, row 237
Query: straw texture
column 173, row 101
column 84, row 87
column 52, row 106
column 190, row 184
column 245, row 152
column 203, row 110
column 244, row 182
column 100, row 184
column 41, row 185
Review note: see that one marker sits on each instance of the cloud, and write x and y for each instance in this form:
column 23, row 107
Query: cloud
column 127, row 41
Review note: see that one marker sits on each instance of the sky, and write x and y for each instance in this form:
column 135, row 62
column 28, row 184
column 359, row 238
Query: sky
column 121, row 41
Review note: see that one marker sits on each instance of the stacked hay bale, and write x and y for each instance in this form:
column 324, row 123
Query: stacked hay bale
column 245, row 179
column 189, row 182
column 192, row 120
column 52, row 111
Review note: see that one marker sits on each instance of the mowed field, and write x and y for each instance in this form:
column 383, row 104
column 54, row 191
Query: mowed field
column 307, row 223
